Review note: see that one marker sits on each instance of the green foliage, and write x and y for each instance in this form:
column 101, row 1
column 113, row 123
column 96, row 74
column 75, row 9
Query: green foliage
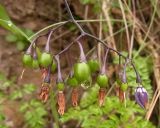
column 112, row 115
column 20, row 41
column 8, row 24
column 96, row 4
column 34, row 114
column 33, row 110
column 2, row 118
column 17, row 35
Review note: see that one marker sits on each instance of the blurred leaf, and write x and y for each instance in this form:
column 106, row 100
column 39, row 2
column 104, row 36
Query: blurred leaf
column 11, row 38
column 7, row 23
column 35, row 103
column 16, row 94
column 29, row 88
column 20, row 45
column 85, row 1
column 24, row 107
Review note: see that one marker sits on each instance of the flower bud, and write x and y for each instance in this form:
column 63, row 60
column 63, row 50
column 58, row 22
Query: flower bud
column 141, row 96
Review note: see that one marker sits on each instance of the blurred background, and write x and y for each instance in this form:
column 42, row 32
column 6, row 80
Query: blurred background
column 134, row 31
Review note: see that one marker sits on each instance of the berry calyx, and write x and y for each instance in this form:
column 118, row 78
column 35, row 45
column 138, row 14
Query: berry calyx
column 81, row 71
column 46, row 59
column 124, row 86
column 27, row 60
column 60, row 86
column 102, row 80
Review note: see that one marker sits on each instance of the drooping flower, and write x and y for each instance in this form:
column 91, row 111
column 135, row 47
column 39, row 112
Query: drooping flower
column 75, row 97
column 141, row 96
column 121, row 95
column 45, row 88
column 61, row 102
column 44, row 73
column 101, row 96
column 44, row 94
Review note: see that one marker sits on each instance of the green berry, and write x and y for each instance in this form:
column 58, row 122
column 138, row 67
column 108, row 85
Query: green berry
column 102, row 80
column 60, row 86
column 72, row 82
column 124, row 86
column 46, row 59
column 35, row 64
column 81, row 71
column 93, row 65
column 39, row 54
column 53, row 66
column 27, row 60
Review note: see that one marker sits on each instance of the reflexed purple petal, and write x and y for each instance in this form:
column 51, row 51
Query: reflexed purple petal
column 137, row 95
column 141, row 96
column 144, row 98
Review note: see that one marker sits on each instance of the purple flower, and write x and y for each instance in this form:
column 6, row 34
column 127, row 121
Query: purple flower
column 141, row 96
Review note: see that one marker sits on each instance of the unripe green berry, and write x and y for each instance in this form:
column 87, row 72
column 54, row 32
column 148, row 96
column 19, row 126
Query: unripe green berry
column 124, row 86
column 53, row 67
column 60, row 86
column 35, row 64
column 81, row 71
column 46, row 59
column 93, row 65
column 102, row 80
column 39, row 54
column 72, row 82
column 27, row 60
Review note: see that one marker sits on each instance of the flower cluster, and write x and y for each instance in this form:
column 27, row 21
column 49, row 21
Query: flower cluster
column 82, row 72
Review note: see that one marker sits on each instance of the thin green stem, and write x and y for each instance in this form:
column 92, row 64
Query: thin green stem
column 78, row 21
column 48, row 27
column 54, row 110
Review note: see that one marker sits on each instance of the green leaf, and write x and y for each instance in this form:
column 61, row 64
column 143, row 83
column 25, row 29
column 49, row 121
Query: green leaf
column 24, row 107
column 29, row 88
column 20, row 45
column 11, row 38
column 16, row 94
column 35, row 103
column 7, row 23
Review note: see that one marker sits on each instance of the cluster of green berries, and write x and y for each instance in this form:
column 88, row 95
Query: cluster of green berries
column 36, row 59
column 82, row 70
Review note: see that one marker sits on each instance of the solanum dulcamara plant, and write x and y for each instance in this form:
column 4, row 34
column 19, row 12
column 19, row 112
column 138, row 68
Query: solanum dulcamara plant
column 82, row 71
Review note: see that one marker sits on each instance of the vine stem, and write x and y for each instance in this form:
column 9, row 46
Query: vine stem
column 64, row 50
column 72, row 18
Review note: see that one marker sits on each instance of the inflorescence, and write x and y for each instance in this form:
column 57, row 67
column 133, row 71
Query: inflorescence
column 81, row 72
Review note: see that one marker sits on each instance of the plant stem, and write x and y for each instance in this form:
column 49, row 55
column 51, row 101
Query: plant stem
column 59, row 69
column 104, row 62
column 82, row 55
column 64, row 50
column 54, row 110
column 47, row 47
